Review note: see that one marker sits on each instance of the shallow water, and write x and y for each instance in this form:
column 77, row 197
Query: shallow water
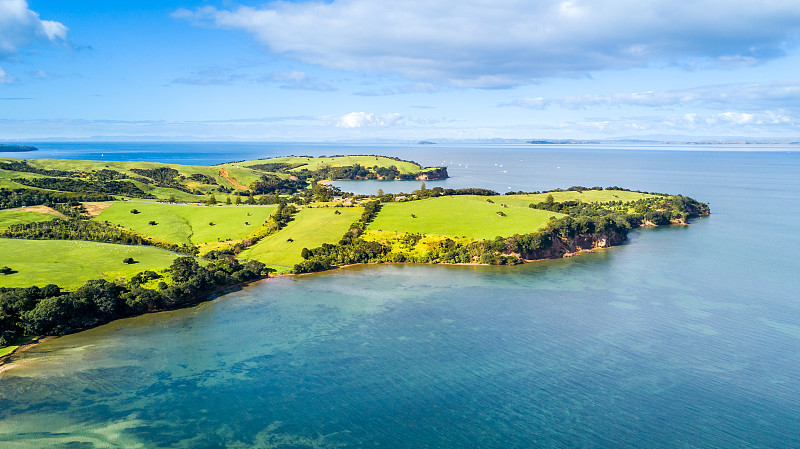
column 684, row 337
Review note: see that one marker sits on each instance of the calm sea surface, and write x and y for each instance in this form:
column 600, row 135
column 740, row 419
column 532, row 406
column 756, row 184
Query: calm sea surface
column 686, row 337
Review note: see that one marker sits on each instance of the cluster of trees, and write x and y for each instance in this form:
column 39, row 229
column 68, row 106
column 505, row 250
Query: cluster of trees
column 11, row 198
column 656, row 210
column 433, row 173
column 163, row 177
column 205, row 179
column 77, row 229
column 274, row 185
column 106, row 174
column 125, row 188
column 349, row 172
column 49, row 311
column 424, row 192
column 275, row 167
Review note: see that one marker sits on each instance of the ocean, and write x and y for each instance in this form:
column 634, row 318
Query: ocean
column 684, row 337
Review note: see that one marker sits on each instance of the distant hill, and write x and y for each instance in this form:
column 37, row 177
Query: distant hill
column 16, row 148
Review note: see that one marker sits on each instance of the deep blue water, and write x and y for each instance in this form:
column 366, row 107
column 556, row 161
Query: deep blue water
column 684, row 337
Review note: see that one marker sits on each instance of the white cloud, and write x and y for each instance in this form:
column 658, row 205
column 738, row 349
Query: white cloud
column 774, row 95
column 501, row 43
column 5, row 78
column 19, row 27
column 363, row 120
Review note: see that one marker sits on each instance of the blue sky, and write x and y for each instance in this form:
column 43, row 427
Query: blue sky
column 392, row 69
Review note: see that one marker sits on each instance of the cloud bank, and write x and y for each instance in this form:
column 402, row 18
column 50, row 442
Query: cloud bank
column 20, row 27
column 748, row 97
column 502, row 43
column 363, row 120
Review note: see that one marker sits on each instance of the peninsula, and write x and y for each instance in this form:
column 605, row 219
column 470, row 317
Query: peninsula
column 5, row 148
column 87, row 242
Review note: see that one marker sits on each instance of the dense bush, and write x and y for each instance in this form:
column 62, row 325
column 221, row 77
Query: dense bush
column 125, row 188
column 11, row 198
column 48, row 311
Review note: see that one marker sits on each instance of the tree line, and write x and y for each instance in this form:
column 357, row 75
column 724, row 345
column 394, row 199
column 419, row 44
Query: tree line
column 89, row 230
column 12, row 198
column 49, row 311
column 125, row 188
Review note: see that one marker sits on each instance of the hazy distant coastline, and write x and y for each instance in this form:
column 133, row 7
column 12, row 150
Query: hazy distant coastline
column 16, row 148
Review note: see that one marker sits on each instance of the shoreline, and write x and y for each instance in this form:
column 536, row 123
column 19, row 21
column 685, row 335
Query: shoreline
column 212, row 295
column 5, row 366
column 216, row 293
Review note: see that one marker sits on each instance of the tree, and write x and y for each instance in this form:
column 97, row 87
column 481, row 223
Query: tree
column 422, row 187
column 228, row 200
column 238, row 200
column 211, row 201
column 134, row 211
column 128, row 260
column 183, row 268
column 380, row 192
column 172, row 198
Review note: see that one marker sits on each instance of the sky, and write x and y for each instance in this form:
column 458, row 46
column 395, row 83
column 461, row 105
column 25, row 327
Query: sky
column 402, row 70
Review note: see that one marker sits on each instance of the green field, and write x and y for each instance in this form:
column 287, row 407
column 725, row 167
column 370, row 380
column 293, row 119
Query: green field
column 464, row 215
column 311, row 228
column 69, row 264
column 11, row 217
column 313, row 164
column 587, row 196
column 242, row 176
column 187, row 223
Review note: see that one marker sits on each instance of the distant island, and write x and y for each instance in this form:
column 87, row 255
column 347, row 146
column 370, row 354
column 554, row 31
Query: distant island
column 16, row 148
column 155, row 236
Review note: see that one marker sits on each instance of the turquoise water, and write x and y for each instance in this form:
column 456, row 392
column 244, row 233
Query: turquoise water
column 684, row 337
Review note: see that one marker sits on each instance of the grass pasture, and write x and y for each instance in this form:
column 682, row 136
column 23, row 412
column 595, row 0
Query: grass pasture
column 464, row 215
column 241, row 176
column 69, row 264
column 587, row 196
column 17, row 216
column 313, row 164
column 186, row 223
column 311, row 228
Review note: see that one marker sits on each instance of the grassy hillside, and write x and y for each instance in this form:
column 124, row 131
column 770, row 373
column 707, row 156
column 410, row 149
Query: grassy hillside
column 311, row 228
column 69, row 264
column 313, row 164
column 11, row 217
column 466, row 215
column 187, row 223
column 587, row 196
column 150, row 180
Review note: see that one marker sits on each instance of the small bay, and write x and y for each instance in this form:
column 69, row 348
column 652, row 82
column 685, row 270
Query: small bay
column 683, row 337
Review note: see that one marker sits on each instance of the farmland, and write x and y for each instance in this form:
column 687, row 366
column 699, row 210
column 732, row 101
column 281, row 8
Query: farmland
column 311, row 228
column 69, row 264
column 180, row 223
column 476, row 217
